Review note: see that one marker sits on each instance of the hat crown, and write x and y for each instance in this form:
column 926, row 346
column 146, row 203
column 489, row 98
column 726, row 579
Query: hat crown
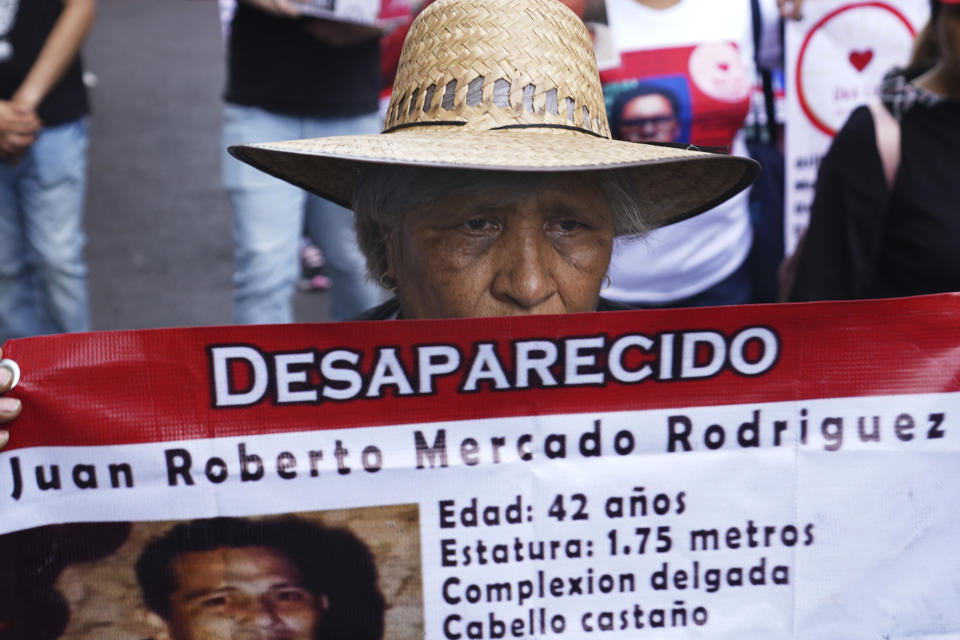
column 489, row 64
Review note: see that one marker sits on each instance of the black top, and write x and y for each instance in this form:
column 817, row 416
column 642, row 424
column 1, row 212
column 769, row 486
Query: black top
column 864, row 242
column 389, row 309
column 19, row 50
column 275, row 64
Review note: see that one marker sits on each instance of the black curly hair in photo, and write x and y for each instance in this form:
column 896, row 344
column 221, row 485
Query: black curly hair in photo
column 31, row 561
column 332, row 562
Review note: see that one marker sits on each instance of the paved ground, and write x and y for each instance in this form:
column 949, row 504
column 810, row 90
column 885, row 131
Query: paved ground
column 158, row 225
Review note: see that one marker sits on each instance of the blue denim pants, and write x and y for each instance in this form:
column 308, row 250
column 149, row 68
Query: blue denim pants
column 43, row 276
column 269, row 214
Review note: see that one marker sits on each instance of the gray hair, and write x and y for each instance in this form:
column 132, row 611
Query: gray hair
column 384, row 193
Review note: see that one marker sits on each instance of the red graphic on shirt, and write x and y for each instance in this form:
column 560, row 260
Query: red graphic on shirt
column 696, row 94
column 828, row 92
column 860, row 59
column 395, row 9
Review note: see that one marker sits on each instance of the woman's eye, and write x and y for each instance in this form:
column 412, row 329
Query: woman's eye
column 479, row 224
column 567, row 225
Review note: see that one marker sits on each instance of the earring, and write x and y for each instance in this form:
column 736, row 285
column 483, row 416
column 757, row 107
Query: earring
column 608, row 281
column 387, row 283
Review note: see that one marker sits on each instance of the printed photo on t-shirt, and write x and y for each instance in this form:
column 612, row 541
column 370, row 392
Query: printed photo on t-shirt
column 695, row 94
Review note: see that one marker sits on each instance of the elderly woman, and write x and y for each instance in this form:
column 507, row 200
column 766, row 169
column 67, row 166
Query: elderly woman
column 495, row 187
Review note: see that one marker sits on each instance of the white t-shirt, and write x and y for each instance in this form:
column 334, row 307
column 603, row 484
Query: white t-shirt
column 700, row 53
column 227, row 9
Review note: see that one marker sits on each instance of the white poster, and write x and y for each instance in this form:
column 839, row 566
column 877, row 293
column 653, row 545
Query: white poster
column 836, row 57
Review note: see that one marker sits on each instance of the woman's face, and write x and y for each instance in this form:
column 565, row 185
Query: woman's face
column 545, row 252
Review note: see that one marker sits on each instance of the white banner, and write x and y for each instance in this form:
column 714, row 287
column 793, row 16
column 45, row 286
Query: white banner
column 822, row 519
column 758, row 472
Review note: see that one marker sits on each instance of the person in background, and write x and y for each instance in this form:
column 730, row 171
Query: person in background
column 43, row 155
column 701, row 52
column 885, row 220
column 290, row 76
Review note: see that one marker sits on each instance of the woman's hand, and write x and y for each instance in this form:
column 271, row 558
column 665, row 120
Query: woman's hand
column 18, row 129
column 9, row 407
column 792, row 9
column 18, row 118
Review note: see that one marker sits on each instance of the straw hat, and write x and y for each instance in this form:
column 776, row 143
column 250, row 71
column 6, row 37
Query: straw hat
column 506, row 85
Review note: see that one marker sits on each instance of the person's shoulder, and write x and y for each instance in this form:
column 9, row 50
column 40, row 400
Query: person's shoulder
column 855, row 140
column 386, row 311
column 859, row 124
column 609, row 305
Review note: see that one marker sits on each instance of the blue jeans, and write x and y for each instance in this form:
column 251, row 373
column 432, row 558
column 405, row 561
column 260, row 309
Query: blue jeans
column 268, row 217
column 43, row 276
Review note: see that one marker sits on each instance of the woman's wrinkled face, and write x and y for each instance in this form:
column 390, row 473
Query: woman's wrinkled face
column 544, row 252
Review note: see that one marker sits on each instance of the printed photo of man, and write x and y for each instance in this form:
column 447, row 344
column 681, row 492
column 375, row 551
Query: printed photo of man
column 278, row 579
column 647, row 113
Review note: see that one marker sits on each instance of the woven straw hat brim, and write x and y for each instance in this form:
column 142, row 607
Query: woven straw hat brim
column 673, row 184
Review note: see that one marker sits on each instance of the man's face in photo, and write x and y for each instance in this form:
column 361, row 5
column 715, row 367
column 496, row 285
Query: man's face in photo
column 649, row 118
column 248, row 593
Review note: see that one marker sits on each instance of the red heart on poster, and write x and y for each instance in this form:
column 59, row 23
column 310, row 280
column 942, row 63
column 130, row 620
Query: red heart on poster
column 860, row 59
column 723, row 66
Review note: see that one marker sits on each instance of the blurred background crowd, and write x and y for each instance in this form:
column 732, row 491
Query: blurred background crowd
column 168, row 230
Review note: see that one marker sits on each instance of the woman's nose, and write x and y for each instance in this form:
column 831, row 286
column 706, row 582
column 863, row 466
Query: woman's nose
column 524, row 277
